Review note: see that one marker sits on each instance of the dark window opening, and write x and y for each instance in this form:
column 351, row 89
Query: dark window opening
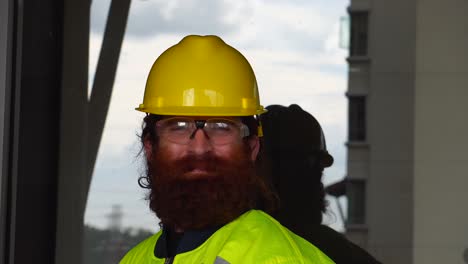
column 359, row 34
column 356, row 192
column 357, row 118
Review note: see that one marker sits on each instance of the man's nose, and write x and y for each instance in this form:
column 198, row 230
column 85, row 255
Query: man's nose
column 200, row 142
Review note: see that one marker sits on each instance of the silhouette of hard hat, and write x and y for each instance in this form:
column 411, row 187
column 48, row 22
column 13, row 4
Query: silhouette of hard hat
column 293, row 130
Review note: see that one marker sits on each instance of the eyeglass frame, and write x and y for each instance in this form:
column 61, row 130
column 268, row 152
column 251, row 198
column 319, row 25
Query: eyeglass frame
column 244, row 130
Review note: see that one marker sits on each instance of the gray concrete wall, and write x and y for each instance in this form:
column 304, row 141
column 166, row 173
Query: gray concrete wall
column 390, row 130
column 441, row 130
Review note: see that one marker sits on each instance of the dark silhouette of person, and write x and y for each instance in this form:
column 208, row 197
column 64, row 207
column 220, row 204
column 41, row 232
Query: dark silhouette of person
column 294, row 157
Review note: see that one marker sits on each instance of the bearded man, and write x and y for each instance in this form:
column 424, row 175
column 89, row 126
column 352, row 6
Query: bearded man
column 201, row 140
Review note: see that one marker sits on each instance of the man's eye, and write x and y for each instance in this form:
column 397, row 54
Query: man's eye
column 222, row 126
column 179, row 126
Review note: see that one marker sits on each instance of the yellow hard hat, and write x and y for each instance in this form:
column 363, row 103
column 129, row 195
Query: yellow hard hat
column 201, row 76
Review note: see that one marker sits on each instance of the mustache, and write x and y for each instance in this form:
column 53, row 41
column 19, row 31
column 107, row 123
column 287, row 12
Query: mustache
column 207, row 162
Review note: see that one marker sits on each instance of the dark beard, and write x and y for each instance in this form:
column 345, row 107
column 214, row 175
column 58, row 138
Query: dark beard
column 186, row 201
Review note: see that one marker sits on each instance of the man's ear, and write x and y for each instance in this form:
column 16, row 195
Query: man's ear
column 148, row 148
column 254, row 145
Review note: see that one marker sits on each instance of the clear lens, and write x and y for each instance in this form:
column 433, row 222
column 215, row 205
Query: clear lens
column 218, row 130
column 175, row 125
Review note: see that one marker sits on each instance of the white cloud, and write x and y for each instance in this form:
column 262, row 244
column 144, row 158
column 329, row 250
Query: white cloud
column 285, row 25
column 149, row 18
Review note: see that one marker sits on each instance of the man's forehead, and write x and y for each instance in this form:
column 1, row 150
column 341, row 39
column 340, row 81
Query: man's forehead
column 237, row 118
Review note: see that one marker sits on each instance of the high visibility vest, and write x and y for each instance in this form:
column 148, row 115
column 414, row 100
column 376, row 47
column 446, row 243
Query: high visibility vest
column 253, row 238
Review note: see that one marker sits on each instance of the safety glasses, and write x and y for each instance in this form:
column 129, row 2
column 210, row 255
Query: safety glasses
column 219, row 131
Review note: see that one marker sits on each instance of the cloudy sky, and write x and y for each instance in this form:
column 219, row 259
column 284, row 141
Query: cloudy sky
column 292, row 45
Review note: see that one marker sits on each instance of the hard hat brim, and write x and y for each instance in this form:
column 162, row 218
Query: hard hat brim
column 202, row 111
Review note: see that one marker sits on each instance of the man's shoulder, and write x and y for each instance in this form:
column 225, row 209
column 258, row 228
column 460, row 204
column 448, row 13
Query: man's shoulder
column 260, row 234
column 143, row 251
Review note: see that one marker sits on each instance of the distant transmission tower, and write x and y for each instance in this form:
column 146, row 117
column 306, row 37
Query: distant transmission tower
column 115, row 218
column 114, row 247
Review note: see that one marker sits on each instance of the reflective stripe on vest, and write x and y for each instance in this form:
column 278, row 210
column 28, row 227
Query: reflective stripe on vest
column 220, row 260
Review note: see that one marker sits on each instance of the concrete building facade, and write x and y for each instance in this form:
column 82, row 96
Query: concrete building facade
column 407, row 174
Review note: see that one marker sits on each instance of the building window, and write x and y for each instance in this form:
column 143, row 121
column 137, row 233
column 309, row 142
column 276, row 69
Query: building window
column 359, row 33
column 356, row 193
column 357, row 118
